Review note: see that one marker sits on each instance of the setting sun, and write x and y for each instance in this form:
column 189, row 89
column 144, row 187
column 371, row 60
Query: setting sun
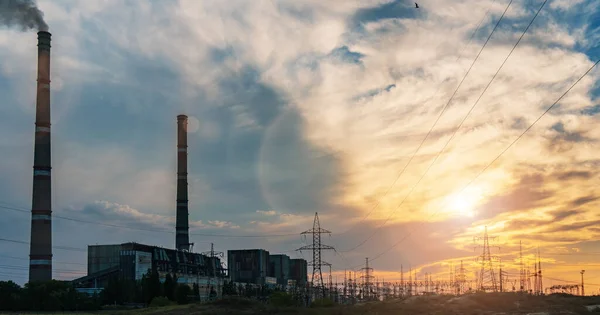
column 463, row 204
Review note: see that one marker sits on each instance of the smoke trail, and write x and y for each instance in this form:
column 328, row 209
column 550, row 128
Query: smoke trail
column 23, row 13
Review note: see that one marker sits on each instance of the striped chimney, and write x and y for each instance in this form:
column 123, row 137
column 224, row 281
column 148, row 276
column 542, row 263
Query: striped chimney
column 182, row 238
column 40, row 252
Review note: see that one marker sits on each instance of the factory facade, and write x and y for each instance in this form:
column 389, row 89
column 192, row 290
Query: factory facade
column 257, row 266
column 131, row 261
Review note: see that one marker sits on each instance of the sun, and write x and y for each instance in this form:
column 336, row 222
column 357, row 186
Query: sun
column 463, row 204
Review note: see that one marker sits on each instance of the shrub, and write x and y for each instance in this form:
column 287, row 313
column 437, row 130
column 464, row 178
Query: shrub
column 282, row 299
column 182, row 294
column 160, row 301
column 322, row 303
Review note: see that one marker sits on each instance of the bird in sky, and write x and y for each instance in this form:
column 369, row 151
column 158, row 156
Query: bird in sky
column 416, row 5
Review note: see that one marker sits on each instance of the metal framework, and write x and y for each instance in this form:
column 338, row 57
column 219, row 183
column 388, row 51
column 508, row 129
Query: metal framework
column 367, row 277
column 487, row 281
column 317, row 263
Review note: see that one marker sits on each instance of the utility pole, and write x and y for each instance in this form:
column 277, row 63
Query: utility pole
column 500, row 273
column 410, row 281
column 317, row 263
column 582, row 287
column 540, row 283
column 345, row 283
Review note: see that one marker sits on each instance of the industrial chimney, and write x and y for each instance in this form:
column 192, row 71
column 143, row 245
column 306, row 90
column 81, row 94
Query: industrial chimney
column 40, row 252
column 182, row 238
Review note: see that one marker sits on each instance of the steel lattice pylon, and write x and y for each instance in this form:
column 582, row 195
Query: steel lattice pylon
column 317, row 263
column 487, row 277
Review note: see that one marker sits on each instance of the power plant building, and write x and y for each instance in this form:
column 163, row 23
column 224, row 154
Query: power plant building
column 280, row 268
column 257, row 266
column 248, row 265
column 130, row 261
column 299, row 271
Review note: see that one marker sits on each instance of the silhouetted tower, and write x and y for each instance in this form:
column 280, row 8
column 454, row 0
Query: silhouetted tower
column 367, row 279
column 527, row 280
column 182, row 238
column 402, row 289
column 317, row 263
column 40, row 247
column 582, row 286
column 487, row 280
column 522, row 271
column 212, row 254
column 461, row 279
column 345, row 283
column 540, row 283
column 410, row 281
column 501, row 282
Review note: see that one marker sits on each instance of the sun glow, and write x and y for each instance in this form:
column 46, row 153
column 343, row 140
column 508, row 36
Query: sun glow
column 463, row 204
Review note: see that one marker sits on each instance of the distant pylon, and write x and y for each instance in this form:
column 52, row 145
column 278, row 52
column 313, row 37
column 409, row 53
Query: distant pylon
column 461, row 279
column 487, row 280
column 317, row 263
column 402, row 287
column 367, row 283
column 522, row 271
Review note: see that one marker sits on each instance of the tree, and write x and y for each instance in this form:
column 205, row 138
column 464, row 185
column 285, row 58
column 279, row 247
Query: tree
column 10, row 296
column 154, row 285
column 182, row 293
column 169, row 287
column 229, row 288
column 150, row 286
column 196, row 291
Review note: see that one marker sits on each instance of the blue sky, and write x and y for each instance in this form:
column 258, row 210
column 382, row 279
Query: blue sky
column 298, row 107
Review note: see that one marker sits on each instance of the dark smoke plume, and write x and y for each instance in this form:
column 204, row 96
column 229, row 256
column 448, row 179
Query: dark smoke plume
column 23, row 13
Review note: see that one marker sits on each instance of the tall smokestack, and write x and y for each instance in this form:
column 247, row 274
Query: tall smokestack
column 182, row 238
column 40, row 252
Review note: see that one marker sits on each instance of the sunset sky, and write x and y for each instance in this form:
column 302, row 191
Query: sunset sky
column 299, row 107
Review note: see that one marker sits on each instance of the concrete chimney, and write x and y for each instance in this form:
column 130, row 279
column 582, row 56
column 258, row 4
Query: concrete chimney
column 182, row 238
column 40, row 251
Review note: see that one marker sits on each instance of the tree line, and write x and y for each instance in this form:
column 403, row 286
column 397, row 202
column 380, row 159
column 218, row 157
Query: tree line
column 57, row 295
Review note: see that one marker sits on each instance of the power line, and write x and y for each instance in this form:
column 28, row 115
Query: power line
column 503, row 151
column 429, row 132
column 55, row 247
column 15, row 267
column 569, row 281
column 57, row 262
column 151, row 230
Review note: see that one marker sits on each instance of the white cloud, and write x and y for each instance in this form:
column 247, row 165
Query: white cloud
column 115, row 213
column 267, row 212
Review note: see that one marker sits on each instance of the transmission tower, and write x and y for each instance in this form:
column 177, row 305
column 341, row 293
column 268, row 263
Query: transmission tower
column 487, row 280
column 461, row 279
column 213, row 254
column 317, row 263
column 368, row 275
column 522, row 271
column 539, row 290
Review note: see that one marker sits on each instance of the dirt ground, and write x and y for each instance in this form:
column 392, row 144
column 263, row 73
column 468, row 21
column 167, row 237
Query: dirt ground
column 492, row 304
